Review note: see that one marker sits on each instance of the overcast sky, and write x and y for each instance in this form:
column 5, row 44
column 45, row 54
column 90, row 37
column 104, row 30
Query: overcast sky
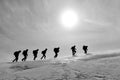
column 35, row 24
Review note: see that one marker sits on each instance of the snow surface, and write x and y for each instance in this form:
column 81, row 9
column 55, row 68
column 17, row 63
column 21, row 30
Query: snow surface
column 86, row 67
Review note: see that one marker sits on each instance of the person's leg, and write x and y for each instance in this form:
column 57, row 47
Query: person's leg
column 85, row 51
column 42, row 57
column 16, row 58
column 72, row 53
column 55, row 55
column 13, row 60
column 45, row 56
column 22, row 59
column 34, row 58
column 25, row 58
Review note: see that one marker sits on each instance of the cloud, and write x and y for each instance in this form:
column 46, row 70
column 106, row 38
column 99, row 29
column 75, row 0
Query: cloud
column 101, row 23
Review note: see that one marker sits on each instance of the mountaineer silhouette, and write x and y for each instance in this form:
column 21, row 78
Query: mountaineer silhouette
column 73, row 48
column 16, row 54
column 25, row 54
column 85, row 48
column 44, row 53
column 56, row 50
column 35, row 53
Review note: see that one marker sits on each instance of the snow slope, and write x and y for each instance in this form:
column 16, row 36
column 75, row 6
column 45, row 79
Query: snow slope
column 89, row 67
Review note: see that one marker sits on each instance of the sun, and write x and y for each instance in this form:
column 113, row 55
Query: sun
column 69, row 19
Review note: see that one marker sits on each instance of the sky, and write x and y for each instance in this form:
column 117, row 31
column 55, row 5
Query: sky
column 35, row 24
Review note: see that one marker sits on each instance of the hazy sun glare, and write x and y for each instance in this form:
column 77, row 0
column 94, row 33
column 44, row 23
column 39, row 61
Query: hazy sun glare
column 69, row 19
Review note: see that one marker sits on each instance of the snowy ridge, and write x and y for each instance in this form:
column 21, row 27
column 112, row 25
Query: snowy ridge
column 85, row 67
